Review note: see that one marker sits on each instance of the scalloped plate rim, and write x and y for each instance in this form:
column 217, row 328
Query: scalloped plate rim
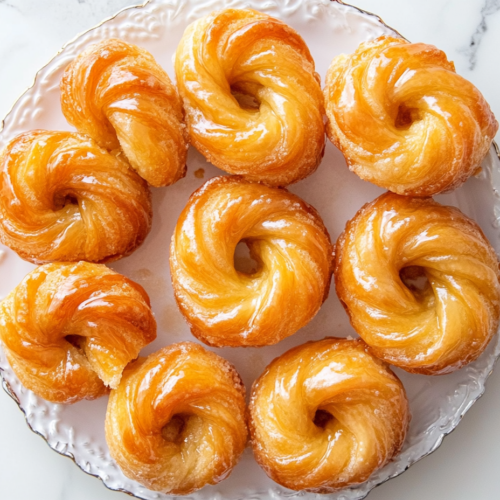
column 8, row 390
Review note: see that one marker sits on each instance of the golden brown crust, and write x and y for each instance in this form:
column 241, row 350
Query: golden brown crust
column 178, row 419
column 119, row 95
column 286, row 238
column 69, row 330
column 434, row 327
column 253, row 100
column 404, row 119
column 66, row 199
column 326, row 415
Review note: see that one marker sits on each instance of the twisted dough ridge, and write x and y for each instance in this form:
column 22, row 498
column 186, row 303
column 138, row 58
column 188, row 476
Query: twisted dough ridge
column 287, row 239
column 178, row 419
column 252, row 98
column 326, row 415
column 404, row 119
column 120, row 96
column 66, row 199
column 69, row 330
column 431, row 329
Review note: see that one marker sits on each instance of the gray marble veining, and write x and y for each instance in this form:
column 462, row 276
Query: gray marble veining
column 489, row 8
column 466, row 467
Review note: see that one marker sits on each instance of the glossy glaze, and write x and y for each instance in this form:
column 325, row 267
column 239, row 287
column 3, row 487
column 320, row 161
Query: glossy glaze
column 69, row 330
column 404, row 119
column 432, row 327
column 293, row 263
column 178, row 419
column 63, row 198
column 326, row 415
column 118, row 94
column 252, row 97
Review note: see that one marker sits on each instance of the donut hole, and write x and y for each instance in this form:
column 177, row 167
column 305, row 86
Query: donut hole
column 246, row 101
column 406, row 117
column 65, row 200
column 75, row 340
column 243, row 260
column 173, row 431
column 415, row 279
column 246, row 96
column 321, row 418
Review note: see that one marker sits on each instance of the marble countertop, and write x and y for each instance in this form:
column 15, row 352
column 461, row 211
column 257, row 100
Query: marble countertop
column 466, row 465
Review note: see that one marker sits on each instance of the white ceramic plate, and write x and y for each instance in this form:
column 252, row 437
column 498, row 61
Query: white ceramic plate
column 329, row 28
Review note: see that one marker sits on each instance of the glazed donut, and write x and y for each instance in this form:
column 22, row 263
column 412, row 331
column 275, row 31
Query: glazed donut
column 66, row 199
column 287, row 239
column 252, row 98
column 432, row 327
column 69, row 330
column 178, row 419
column 404, row 119
column 326, row 415
column 119, row 95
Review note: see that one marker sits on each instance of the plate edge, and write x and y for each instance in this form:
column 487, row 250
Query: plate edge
column 6, row 386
